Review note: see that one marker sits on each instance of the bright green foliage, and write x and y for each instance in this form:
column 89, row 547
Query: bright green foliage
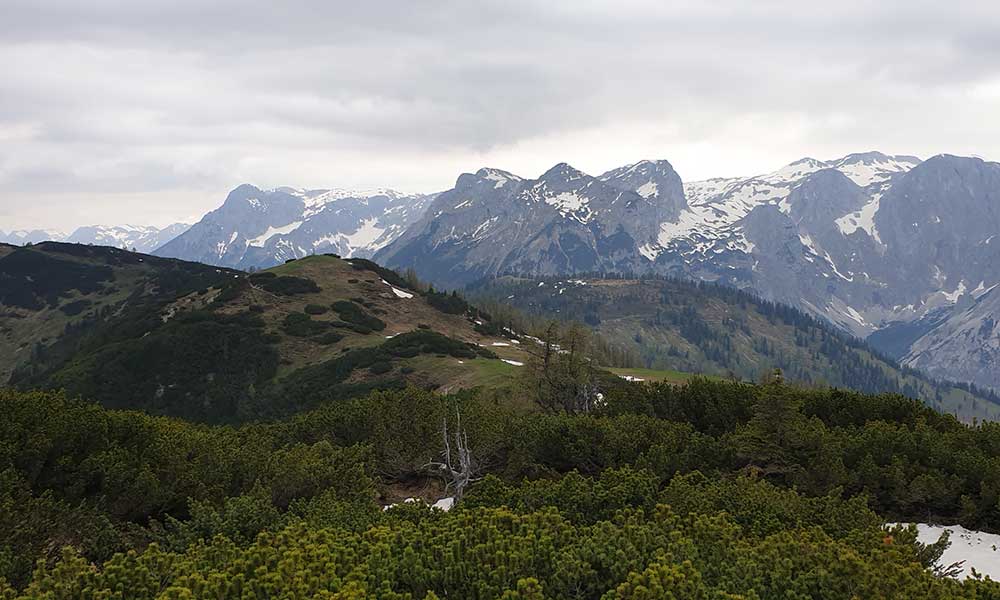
column 580, row 499
column 496, row 553
column 712, row 490
column 665, row 582
column 75, row 473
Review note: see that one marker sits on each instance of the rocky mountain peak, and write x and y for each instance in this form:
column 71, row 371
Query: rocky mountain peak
column 563, row 173
column 656, row 181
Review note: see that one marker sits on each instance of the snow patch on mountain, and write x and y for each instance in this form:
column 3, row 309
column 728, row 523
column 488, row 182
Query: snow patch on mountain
column 716, row 207
column 648, row 190
column 366, row 235
column 570, row 204
column 863, row 219
column 873, row 167
column 272, row 231
column 700, row 192
column 262, row 228
column 794, row 171
column 500, row 178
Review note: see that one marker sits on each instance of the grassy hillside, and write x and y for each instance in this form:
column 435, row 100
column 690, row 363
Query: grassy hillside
column 214, row 345
column 698, row 328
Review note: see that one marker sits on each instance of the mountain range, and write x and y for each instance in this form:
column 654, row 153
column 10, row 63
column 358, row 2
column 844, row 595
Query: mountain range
column 144, row 238
column 889, row 248
column 257, row 228
column 869, row 242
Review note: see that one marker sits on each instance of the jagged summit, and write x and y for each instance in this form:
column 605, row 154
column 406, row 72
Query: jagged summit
column 563, row 173
column 260, row 228
column 863, row 240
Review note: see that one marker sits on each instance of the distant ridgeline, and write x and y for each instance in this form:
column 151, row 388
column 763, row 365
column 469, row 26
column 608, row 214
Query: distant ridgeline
column 699, row 327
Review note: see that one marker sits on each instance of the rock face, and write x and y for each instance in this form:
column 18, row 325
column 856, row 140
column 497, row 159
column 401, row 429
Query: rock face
column 563, row 222
column 257, row 228
column 873, row 243
column 966, row 345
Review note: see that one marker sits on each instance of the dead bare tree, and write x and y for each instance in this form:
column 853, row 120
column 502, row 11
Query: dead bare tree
column 458, row 475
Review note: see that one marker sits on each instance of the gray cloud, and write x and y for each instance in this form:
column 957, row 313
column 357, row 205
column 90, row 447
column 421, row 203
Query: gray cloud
column 115, row 110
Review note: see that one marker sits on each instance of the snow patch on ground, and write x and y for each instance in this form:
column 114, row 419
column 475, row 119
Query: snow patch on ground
column 979, row 550
column 513, row 362
column 444, row 504
column 399, row 293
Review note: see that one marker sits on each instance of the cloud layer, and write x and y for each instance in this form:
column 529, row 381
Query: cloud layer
column 114, row 110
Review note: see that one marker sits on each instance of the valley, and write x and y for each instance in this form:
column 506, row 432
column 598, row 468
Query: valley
column 718, row 331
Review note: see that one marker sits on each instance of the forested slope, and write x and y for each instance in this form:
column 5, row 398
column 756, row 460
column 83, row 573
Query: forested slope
column 698, row 490
column 214, row 345
column 717, row 330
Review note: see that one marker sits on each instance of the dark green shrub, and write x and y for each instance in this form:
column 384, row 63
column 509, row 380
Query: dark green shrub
column 352, row 313
column 286, row 285
column 75, row 307
column 380, row 367
column 302, row 325
column 362, row 329
column 328, row 338
column 315, row 309
column 32, row 279
column 451, row 304
column 390, row 276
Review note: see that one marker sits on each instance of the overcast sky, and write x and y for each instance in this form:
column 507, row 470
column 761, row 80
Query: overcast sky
column 149, row 111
